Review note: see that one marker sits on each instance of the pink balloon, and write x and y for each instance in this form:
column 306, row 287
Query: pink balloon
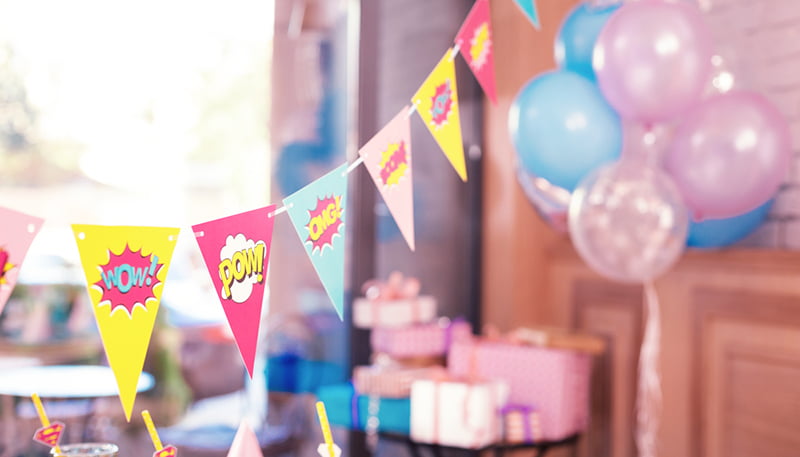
column 653, row 59
column 730, row 155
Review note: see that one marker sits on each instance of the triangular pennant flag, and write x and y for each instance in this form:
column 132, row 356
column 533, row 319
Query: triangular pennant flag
column 529, row 8
column 387, row 156
column 17, row 231
column 125, row 271
column 245, row 443
column 437, row 103
column 475, row 42
column 318, row 214
column 236, row 251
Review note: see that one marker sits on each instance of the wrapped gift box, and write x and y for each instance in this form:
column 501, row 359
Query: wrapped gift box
column 346, row 408
column 521, row 424
column 419, row 340
column 391, row 381
column 555, row 380
column 373, row 313
column 458, row 414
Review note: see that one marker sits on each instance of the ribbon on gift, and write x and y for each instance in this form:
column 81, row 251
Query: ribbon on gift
column 449, row 326
column 355, row 420
column 529, row 416
column 396, row 287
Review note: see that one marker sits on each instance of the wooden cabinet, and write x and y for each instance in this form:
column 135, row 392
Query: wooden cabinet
column 730, row 359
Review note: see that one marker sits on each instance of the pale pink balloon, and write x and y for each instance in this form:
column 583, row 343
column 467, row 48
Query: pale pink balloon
column 653, row 59
column 730, row 155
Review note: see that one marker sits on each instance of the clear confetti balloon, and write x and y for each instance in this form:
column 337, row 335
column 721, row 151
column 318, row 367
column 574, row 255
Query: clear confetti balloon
column 628, row 222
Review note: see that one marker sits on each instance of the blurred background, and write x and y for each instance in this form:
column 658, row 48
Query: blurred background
column 175, row 113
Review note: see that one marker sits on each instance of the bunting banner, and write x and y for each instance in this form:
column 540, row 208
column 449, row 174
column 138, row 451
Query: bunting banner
column 125, row 271
column 17, row 232
column 474, row 39
column 387, row 157
column 236, row 252
column 436, row 102
column 531, row 11
column 318, row 213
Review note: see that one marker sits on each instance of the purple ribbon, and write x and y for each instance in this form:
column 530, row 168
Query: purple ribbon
column 525, row 411
column 448, row 332
column 355, row 423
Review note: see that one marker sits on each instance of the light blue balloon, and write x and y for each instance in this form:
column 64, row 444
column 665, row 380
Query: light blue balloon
column 717, row 233
column 562, row 128
column 578, row 34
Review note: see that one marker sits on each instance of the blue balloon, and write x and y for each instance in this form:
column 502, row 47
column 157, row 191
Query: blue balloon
column 577, row 36
column 717, row 233
column 562, row 128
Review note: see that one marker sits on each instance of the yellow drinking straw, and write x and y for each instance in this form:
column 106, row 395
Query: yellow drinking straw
column 151, row 428
column 326, row 427
column 37, row 402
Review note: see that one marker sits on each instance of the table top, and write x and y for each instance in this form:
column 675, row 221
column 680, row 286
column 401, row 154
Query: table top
column 66, row 381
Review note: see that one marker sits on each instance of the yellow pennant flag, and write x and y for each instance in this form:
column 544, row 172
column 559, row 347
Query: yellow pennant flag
column 437, row 103
column 125, row 271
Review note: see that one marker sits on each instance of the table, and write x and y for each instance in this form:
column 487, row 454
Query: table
column 499, row 449
column 66, row 381
column 74, row 386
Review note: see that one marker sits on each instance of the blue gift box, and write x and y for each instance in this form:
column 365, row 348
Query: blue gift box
column 346, row 409
column 294, row 374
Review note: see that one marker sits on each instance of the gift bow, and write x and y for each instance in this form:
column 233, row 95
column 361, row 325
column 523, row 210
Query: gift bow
column 521, row 336
column 395, row 288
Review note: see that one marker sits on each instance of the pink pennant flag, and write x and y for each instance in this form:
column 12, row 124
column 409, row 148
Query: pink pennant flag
column 474, row 39
column 236, row 251
column 245, row 443
column 387, row 156
column 17, row 231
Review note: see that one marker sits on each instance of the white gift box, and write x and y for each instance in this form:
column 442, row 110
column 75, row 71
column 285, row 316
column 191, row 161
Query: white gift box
column 458, row 414
column 393, row 313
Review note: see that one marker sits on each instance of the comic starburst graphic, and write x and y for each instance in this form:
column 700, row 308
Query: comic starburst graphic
column 480, row 46
column 442, row 102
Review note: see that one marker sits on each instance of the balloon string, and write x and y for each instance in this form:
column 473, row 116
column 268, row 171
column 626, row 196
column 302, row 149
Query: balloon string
column 648, row 402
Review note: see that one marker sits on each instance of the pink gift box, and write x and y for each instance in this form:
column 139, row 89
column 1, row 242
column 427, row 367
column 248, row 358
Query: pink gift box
column 419, row 340
column 555, row 380
column 391, row 381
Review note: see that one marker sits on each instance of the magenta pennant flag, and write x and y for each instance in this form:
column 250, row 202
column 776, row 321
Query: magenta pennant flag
column 236, row 251
column 17, row 231
column 474, row 40
column 387, row 156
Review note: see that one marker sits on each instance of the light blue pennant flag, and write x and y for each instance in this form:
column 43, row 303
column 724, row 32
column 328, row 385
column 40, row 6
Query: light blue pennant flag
column 318, row 213
column 529, row 8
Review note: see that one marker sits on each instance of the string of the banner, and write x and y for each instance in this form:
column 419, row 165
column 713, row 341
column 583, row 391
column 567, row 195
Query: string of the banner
column 648, row 400
column 360, row 159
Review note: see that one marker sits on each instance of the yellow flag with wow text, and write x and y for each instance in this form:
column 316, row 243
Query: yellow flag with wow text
column 125, row 271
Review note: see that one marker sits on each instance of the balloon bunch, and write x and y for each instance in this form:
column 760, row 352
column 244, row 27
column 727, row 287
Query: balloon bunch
column 629, row 131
